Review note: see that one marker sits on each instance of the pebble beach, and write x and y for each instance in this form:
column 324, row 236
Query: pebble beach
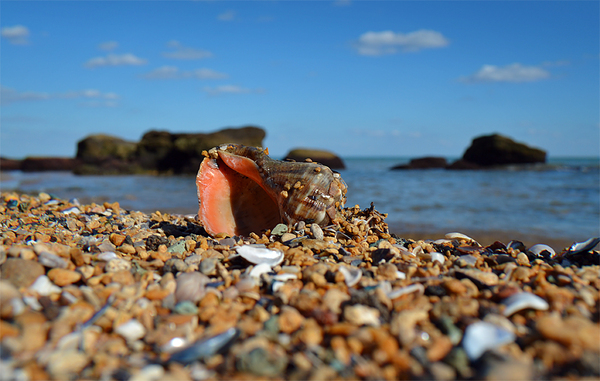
column 95, row 291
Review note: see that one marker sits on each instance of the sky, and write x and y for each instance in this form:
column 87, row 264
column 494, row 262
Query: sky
column 359, row 78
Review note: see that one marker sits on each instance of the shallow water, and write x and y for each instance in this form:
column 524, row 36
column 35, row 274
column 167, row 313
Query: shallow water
column 558, row 200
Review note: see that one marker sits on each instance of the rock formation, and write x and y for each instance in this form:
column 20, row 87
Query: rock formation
column 158, row 151
column 320, row 156
column 495, row 150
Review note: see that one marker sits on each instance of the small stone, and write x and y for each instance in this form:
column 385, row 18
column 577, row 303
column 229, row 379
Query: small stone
column 316, row 231
column 63, row 277
column 178, row 248
column 290, row 319
column 208, row 266
column 21, row 272
column 286, row 237
column 117, row 239
column 359, row 314
column 44, row 287
column 190, row 286
column 280, row 229
column 127, row 249
column 131, row 330
column 66, row 364
column 117, row 264
column 174, row 265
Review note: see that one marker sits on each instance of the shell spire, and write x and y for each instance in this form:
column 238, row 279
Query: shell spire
column 242, row 190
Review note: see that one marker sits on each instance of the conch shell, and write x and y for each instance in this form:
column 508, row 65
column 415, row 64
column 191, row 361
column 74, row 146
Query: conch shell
column 242, row 190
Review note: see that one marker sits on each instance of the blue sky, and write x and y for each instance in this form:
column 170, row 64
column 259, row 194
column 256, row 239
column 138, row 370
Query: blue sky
column 360, row 78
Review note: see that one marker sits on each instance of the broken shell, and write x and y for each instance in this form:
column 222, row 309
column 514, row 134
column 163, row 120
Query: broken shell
column 352, row 275
column 205, row 348
column 580, row 247
column 481, row 336
column 258, row 270
column 459, row 236
column 258, row 255
column 416, row 287
column 522, row 300
column 539, row 250
column 242, row 190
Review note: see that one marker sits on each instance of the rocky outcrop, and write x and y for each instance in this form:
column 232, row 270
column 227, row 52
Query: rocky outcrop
column 496, row 150
column 105, row 154
column 157, row 151
column 320, row 156
column 182, row 153
column 7, row 164
column 429, row 162
column 38, row 164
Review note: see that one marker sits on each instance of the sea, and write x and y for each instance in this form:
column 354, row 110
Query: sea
column 558, row 201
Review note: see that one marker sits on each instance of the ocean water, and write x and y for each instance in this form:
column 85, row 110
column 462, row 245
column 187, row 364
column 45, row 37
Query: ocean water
column 559, row 200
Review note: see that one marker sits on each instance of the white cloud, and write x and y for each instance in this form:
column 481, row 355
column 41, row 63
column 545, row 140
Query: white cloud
column 17, row 35
column 227, row 16
column 515, row 73
column 172, row 72
column 9, row 95
column 389, row 42
column 230, row 89
column 115, row 60
column 108, row 45
column 185, row 53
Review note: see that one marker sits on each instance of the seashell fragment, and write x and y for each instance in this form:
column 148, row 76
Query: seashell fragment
column 416, row 287
column 205, row 348
column 258, row 270
column 242, row 190
column 523, row 300
column 459, row 236
column 581, row 247
column 482, row 336
column 541, row 250
column 258, row 255
column 352, row 275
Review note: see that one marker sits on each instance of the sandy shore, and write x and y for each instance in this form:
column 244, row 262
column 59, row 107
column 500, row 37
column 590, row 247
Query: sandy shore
column 96, row 292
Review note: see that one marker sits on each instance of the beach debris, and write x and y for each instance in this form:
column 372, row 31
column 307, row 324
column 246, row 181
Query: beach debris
column 582, row 247
column 541, row 250
column 258, row 255
column 352, row 275
column 459, row 236
column 205, row 348
column 242, row 190
column 482, row 336
column 523, row 300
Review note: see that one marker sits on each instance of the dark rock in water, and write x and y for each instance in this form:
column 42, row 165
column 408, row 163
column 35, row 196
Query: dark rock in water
column 463, row 164
column 104, row 154
column 38, row 164
column 158, row 151
column 34, row 164
column 320, row 156
column 182, row 153
column 429, row 162
column 7, row 164
column 491, row 150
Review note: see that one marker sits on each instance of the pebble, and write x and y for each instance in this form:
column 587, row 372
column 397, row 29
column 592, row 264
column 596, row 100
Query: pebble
column 99, row 292
column 62, row 277
column 21, row 272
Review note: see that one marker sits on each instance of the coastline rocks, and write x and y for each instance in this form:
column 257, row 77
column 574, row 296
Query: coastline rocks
column 182, row 153
column 38, row 164
column 320, row 156
column 495, row 149
column 429, row 162
column 104, row 154
column 157, row 151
